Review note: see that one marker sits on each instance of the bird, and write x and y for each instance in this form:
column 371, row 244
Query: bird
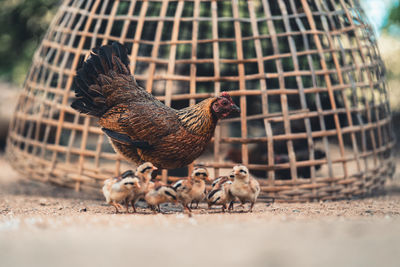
column 116, row 190
column 193, row 189
column 160, row 194
column 143, row 173
column 218, row 179
column 199, row 176
column 139, row 126
column 244, row 187
column 127, row 173
column 220, row 194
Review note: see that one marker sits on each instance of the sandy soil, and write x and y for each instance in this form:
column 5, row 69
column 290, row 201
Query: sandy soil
column 45, row 225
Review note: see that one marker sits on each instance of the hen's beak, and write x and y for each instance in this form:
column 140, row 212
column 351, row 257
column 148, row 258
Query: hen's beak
column 235, row 108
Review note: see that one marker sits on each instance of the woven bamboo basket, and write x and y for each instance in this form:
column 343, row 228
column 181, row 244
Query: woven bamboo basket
column 315, row 120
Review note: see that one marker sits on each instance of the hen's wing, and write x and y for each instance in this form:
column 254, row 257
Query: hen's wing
column 140, row 124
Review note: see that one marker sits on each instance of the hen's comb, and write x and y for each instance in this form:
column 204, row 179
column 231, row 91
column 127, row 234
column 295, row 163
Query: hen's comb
column 227, row 96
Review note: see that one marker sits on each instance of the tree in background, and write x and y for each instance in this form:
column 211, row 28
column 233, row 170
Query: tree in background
column 22, row 26
column 392, row 23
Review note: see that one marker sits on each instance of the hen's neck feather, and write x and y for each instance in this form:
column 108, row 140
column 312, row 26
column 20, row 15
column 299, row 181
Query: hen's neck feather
column 198, row 119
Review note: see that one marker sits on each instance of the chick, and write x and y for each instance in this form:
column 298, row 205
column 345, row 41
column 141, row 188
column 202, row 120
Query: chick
column 244, row 187
column 109, row 183
column 128, row 173
column 220, row 194
column 193, row 189
column 116, row 190
column 143, row 173
column 217, row 180
column 160, row 194
column 199, row 177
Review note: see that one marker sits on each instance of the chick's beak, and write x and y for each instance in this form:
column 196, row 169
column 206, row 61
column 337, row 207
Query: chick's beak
column 155, row 168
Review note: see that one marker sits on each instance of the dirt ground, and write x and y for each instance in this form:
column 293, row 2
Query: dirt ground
column 45, row 225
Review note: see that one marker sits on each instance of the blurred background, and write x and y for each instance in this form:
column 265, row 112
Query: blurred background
column 24, row 22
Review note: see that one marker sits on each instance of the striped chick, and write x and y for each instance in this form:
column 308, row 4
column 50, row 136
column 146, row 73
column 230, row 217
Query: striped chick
column 220, row 194
column 160, row 194
column 115, row 190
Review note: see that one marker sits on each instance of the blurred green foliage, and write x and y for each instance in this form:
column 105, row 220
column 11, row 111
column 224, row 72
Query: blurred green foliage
column 22, row 26
column 392, row 23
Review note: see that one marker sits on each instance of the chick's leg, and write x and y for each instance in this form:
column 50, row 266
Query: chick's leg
column 116, row 206
column 153, row 208
column 223, row 207
column 187, row 207
column 230, row 206
column 251, row 207
column 127, row 205
column 133, row 206
column 187, row 210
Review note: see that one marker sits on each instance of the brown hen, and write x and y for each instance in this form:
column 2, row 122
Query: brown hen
column 138, row 125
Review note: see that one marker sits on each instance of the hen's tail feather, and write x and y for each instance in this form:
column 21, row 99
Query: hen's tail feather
column 87, row 85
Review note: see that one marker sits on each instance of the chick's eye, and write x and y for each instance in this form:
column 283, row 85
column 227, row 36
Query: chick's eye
column 243, row 171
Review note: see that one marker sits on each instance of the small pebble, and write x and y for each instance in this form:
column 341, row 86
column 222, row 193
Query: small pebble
column 43, row 202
